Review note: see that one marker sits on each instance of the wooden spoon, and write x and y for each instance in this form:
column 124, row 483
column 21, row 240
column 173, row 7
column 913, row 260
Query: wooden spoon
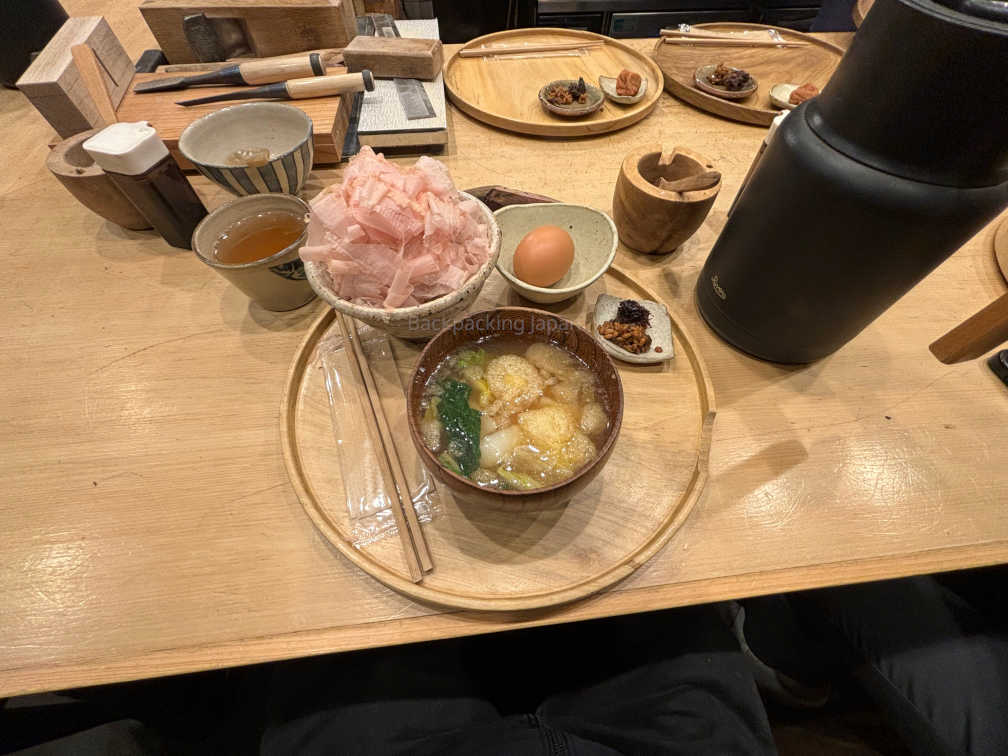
column 695, row 183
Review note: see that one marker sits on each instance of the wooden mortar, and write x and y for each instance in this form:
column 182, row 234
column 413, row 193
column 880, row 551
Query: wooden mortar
column 654, row 220
column 88, row 183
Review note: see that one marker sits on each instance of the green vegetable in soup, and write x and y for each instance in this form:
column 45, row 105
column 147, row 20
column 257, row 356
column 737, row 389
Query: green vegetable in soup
column 461, row 425
column 471, row 357
column 516, row 480
column 449, row 462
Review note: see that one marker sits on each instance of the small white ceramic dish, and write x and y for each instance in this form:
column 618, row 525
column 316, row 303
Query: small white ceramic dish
column 595, row 242
column 780, row 93
column 660, row 331
column 608, row 85
column 701, row 77
column 421, row 321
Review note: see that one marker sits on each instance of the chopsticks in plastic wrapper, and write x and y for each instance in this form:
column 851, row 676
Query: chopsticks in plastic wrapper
column 369, row 505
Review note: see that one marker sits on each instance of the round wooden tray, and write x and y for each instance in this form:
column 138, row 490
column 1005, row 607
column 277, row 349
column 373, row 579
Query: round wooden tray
column 860, row 10
column 814, row 63
column 492, row 560
column 505, row 92
column 1001, row 247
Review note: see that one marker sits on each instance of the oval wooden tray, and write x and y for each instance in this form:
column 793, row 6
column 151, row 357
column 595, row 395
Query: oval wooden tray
column 491, row 560
column 813, row 63
column 505, row 92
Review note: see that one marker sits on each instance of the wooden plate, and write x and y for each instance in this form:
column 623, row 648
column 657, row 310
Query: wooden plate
column 1001, row 247
column 860, row 10
column 505, row 92
column 493, row 560
column 813, row 63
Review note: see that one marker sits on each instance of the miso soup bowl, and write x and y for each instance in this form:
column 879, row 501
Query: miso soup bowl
column 526, row 325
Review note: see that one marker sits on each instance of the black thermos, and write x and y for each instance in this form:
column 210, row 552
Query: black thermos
column 868, row 187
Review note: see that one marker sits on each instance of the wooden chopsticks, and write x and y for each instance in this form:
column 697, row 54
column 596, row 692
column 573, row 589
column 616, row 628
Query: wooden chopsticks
column 418, row 559
column 976, row 336
column 482, row 52
column 729, row 39
column 721, row 42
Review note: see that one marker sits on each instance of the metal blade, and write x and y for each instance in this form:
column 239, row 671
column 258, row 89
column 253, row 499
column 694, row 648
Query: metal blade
column 161, row 85
column 412, row 95
column 276, row 91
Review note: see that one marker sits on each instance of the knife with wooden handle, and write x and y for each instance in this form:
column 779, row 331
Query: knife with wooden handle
column 257, row 71
column 297, row 89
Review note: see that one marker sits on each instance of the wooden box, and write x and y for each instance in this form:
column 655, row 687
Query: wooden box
column 53, row 84
column 272, row 27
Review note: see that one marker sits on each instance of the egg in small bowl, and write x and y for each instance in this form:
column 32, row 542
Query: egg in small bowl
column 542, row 241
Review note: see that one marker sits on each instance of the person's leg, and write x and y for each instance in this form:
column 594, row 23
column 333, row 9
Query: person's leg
column 670, row 682
column 983, row 588
column 929, row 660
column 407, row 699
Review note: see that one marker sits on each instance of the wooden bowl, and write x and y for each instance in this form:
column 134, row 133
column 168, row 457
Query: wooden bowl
column 700, row 78
column 530, row 326
column 654, row 220
column 574, row 110
column 420, row 321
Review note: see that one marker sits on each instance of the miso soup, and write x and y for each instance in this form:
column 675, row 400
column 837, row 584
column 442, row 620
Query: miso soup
column 512, row 415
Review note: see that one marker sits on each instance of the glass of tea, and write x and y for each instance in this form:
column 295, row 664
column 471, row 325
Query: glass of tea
column 254, row 242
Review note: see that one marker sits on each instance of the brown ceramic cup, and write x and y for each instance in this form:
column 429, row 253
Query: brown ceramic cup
column 277, row 282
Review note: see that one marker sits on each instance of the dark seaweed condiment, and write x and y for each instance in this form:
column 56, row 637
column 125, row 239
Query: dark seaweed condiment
column 630, row 311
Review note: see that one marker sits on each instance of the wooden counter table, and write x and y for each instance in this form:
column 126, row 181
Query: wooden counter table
column 147, row 525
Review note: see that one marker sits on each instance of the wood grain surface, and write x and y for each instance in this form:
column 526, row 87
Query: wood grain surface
column 813, row 63
column 504, row 91
column 148, row 526
column 490, row 559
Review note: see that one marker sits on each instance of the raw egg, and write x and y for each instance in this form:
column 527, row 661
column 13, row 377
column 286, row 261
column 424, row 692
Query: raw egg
column 543, row 256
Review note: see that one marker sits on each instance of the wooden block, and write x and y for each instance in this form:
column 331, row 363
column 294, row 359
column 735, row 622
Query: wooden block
column 330, row 116
column 53, row 83
column 390, row 139
column 92, row 76
column 390, row 7
column 273, row 27
column 394, row 57
column 90, row 185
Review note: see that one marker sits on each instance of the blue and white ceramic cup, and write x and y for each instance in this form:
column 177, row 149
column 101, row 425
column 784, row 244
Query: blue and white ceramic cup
column 230, row 146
